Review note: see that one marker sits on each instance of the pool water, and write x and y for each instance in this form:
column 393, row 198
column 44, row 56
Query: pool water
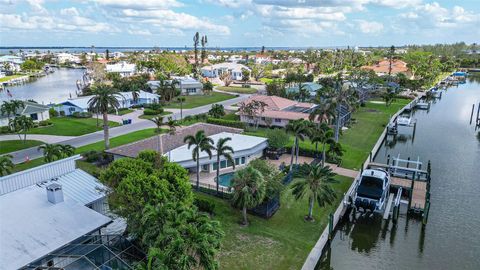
column 225, row 179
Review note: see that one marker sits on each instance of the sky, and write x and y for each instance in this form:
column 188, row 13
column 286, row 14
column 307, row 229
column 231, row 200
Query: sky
column 238, row 23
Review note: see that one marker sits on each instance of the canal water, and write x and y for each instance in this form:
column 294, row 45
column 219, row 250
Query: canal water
column 451, row 239
column 53, row 88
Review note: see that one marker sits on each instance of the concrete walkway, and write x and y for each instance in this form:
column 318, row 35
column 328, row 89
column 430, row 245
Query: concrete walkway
column 119, row 118
column 32, row 153
column 37, row 137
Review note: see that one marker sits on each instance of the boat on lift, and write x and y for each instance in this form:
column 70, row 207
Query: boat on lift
column 372, row 190
column 423, row 105
column 404, row 120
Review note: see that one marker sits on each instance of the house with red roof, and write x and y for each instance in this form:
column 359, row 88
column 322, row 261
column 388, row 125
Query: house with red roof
column 277, row 111
column 383, row 67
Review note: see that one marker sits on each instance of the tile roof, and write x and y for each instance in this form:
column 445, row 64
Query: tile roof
column 169, row 142
column 398, row 66
column 278, row 107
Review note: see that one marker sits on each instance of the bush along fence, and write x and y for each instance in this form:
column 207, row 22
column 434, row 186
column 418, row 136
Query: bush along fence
column 227, row 123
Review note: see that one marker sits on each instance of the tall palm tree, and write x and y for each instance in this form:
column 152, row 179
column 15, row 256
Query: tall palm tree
column 316, row 185
column 172, row 125
column 9, row 108
column 158, row 121
column 200, row 143
column 66, row 150
column 105, row 97
column 322, row 134
column 323, row 111
column 181, row 100
column 223, row 150
column 346, row 96
column 299, row 129
column 51, row 152
column 248, row 190
column 6, row 165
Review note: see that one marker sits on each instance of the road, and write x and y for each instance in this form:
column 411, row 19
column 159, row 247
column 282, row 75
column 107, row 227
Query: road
column 33, row 153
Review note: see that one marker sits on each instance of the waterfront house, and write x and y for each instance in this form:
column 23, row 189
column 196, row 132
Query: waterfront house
column 277, row 112
column 123, row 68
column 187, row 85
column 125, row 99
column 37, row 112
column 215, row 71
column 311, row 87
column 65, row 58
column 10, row 63
column 45, row 209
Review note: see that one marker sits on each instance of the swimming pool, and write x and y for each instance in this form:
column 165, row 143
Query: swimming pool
column 225, row 179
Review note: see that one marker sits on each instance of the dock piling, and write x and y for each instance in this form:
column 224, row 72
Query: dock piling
column 471, row 114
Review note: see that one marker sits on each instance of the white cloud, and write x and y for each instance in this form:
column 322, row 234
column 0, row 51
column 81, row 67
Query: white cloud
column 369, row 27
column 72, row 11
column 140, row 4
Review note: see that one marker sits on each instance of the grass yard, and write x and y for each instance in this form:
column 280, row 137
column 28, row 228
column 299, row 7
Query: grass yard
column 237, row 89
column 15, row 145
column 144, row 116
column 358, row 140
column 123, row 112
column 266, row 80
column 70, row 126
column 281, row 242
column 199, row 100
column 7, row 78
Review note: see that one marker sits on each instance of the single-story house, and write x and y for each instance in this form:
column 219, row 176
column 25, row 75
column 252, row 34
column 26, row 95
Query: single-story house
column 123, row 68
column 46, row 208
column 188, row 85
column 382, row 68
column 37, row 112
column 277, row 112
column 125, row 99
column 234, row 69
column 63, row 58
column 246, row 148
column 311, row 87
column 10, row 63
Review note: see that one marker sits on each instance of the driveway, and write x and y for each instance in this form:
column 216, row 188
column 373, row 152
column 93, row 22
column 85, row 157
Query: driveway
column 119, row 118
column 32, row 153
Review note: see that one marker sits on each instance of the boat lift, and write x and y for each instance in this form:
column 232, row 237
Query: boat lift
column 405, row 121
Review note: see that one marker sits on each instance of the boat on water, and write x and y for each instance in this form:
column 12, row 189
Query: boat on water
column 372, row 191
column 404, row 121
column 422, row 105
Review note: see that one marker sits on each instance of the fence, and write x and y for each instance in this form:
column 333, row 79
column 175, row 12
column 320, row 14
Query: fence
column 223, row 192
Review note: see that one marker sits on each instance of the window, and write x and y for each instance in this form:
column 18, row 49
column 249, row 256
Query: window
column 223, row 164
column 191, row 90
column 205, row 167
column 243, row 160
column 34, row 116
column 278, row 120
column 237, row 161
column 215, row 166
column 229, row 163
column 71, row 109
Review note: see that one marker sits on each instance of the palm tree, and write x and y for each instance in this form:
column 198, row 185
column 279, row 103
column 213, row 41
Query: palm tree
column 335, row 151
column 10, row 108
column 105, row 97
column 66, row 150
column 6, row 165
column 343, row 95
column 249, row 190
column 316, row 186
column 323, row 111
column 324, row 135
column 21, row 124
column 51, row 152
column 158, row 120
column 226, row 151
column 299, row 129
column 201, row 143
column 181, row 100
column 172, row 125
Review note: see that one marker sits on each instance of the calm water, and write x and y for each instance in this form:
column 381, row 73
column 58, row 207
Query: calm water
column 451, row 239
column 53, row 88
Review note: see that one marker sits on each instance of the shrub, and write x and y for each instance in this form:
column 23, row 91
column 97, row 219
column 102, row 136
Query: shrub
column 150, row 112
column 227, row 123
column 153, row 106
column 4, row 130
column 136, row 106
column 204, row 205
column 277, row 138
column 91, row 156
column 82, row 114
column 52, row 112
column 44, row 123
column 62, row 113
column 122, row 109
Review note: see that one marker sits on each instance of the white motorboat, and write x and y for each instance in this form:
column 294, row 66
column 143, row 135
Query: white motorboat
column 404, row 121
column 373, row 190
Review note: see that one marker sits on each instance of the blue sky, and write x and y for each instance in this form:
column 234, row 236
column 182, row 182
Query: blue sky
column 302, row 23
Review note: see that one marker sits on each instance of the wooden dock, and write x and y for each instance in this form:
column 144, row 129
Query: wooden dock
column 419, row 193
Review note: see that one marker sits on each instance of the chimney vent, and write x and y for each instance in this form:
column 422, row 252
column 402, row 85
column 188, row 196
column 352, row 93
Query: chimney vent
column 55, row 193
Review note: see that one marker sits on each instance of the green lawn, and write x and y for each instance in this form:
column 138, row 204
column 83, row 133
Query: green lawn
column 281, row 242
column 238, row 89
column 144, row 116
column 6, row 78
column 199, row 100
column 123, row 112
column 358, row 140
column 15, row 145
column 231, row 117
column 266, row 80
column 70, row 126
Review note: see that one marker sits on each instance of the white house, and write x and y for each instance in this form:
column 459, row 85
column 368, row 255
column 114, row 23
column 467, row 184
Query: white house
column 123, row 68
column 63, row 58
column 37, row 112
column 10, row 63
column 188, row 85
column 246, row 148
column 234, row 69
column 125, row 99
column 46, row 208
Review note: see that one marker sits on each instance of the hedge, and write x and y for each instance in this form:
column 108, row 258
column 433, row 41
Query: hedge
column 152, row 112
column 227, row 123
column 82, row 114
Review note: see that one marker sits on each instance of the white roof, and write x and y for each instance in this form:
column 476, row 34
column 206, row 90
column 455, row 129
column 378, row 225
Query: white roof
column 121, row 67
column 226, row 65
column 238, row 142
column 31, row 226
